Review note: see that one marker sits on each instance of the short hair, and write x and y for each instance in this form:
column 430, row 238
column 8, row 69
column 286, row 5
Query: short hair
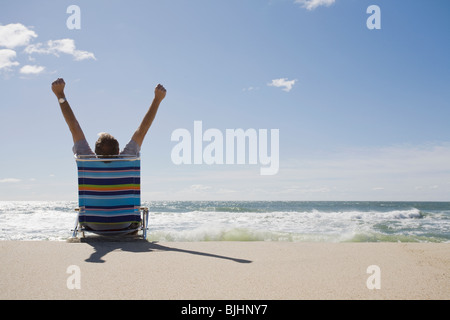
column 106, row 145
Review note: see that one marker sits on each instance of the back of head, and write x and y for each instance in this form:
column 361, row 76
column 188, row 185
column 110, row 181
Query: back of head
column 106, row 145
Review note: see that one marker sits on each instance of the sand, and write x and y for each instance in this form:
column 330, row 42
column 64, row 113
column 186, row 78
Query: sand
column 99, row 269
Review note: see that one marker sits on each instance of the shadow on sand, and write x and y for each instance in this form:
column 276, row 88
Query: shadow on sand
column 105, row 245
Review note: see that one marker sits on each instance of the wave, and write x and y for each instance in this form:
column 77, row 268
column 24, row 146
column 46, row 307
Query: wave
column 249, row 221
column 411, row 225
column 236, row 234
column 241, row 234
column 382, row 237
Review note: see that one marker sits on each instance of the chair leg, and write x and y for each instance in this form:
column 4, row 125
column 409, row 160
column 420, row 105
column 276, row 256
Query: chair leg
column 144, row 222
column 75, row 229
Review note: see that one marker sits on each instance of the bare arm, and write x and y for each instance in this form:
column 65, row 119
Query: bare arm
column 74, row 126
column 139, row 135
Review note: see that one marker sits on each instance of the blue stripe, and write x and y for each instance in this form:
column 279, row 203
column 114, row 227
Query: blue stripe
column 108, row 182
column 109, row 207
column 109, row 202
column 99, row 213
column 109, row 193
column 91, row 219
column 119, row 165
column 95, row 202
column 116, row 174
column 95, row 169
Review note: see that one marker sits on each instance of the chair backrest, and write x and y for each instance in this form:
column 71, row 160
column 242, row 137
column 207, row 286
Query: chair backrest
column 109, row 195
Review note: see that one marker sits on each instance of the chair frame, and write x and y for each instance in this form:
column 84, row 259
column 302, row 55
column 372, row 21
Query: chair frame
column 143, row 227
column 78, row 228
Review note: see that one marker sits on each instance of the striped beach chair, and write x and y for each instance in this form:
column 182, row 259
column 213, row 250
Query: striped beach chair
column 109, row 196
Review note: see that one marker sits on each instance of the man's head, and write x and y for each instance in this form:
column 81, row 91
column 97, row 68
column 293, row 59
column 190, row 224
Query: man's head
column 106, row 145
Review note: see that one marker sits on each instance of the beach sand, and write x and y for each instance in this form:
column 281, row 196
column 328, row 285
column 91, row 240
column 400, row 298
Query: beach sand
column 222, row 270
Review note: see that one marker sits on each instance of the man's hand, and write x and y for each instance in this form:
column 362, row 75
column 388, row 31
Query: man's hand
column 160, row 92
column 139, row 135
column 58, row 87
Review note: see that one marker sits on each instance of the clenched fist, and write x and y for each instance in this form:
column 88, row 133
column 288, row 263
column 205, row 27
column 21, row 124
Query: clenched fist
column 160, row 92
column 58, row 87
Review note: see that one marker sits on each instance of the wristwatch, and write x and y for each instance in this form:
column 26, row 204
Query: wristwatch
column 62, row 100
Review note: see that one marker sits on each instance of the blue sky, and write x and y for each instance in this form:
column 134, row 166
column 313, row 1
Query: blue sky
column 365, row 116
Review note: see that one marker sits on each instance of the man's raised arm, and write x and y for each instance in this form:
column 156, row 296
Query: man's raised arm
column 74, row 126
column 139, row 135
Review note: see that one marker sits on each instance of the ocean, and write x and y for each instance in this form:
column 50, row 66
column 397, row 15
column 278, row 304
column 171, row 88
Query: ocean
column 292, row 221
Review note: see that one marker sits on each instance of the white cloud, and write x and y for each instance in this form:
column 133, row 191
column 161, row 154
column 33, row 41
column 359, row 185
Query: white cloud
column 9, row 180
column 251, row 88
column 283, row 82
column 199, row 187
column 6, row 58
column 15, row 35
column 28, row 69
column 313, row 4
column 56, row 47
column 390, row 173
column 408, row 161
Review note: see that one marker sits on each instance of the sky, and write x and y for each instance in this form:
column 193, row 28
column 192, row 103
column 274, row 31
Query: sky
column 362, row 114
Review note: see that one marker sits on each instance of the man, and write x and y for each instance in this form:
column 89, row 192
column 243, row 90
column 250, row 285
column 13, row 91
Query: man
column 106, row 144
